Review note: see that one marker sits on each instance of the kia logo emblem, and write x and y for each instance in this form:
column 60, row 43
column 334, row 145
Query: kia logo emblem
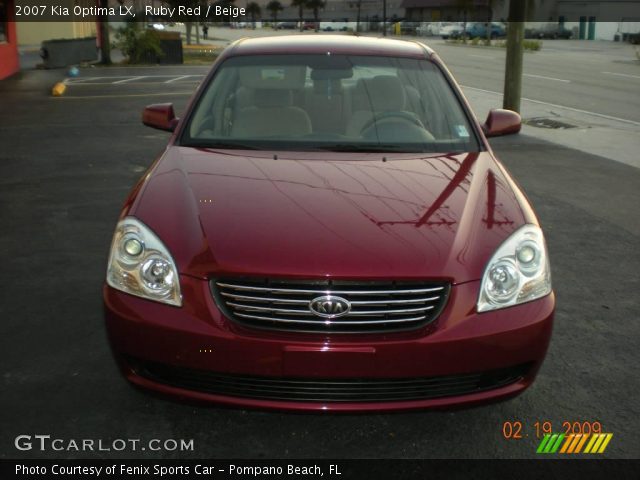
column 329, row 306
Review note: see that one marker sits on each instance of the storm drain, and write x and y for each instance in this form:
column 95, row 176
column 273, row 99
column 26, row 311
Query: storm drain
column 542, row 122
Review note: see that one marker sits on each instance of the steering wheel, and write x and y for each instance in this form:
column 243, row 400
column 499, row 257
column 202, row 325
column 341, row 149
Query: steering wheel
column 392, row 115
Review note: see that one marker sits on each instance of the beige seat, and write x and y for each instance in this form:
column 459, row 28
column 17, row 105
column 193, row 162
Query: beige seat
column 326, row 105
column 380, row 94
column 271, row 115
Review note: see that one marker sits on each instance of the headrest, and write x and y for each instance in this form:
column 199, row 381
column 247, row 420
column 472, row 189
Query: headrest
column 331, row 74
column 285, row 77
column 269, row 98
column 386, row 93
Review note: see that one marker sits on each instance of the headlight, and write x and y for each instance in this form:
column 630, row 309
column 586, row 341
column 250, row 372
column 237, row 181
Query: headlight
column 141, row 265
column 518, row 272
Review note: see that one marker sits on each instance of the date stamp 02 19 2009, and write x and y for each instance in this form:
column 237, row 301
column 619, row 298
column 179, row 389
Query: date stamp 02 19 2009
column 574, row 437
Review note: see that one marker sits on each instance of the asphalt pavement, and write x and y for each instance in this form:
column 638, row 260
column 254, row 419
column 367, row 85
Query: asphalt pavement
column 594, row 76
column 66, row 165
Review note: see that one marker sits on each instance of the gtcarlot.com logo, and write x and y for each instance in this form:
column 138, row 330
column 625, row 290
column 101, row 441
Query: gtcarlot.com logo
column 45, row 443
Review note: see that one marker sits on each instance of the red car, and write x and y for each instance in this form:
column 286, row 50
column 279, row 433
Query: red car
column 329, row 229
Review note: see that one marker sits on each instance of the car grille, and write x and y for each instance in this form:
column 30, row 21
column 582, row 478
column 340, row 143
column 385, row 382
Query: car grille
column 374, row 306
column 328, row 390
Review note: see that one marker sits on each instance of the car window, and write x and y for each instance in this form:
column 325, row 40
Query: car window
column 330, row 102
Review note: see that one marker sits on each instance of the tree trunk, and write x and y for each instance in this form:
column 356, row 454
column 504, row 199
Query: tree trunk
column 513, row 66
column 489, row 22
column 188, row 29
column 384, row 18
column 197, row 33
column 464, row 26
column 301, row 17
column 105, row 43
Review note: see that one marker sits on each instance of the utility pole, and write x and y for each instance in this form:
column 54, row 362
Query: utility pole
column 105, row 44
column 513, row 66
column 384, row 18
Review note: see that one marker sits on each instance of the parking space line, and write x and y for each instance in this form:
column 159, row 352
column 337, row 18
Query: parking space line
column 93, row 84
column 178, row 78
column 124, row 95
column 540, row 102
column 546, row 78
column 126, row 80
column 75, row 81
column 622, row 75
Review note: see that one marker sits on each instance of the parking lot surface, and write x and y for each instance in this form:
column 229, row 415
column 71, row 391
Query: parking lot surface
column 66, row 165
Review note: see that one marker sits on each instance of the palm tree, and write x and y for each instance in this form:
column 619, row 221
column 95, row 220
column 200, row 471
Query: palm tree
column 359, row 6
column 300, row 4
column 465, row 6
column 188, row 21
column 274, row 6
column 315, row 6
column 491, row 4
column 254, row 10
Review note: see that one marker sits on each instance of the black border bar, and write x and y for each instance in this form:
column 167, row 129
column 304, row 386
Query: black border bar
column 241, row 469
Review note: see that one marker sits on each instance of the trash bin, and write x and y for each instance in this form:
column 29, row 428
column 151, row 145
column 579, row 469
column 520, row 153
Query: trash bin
column 171, row 45
column 60, row 53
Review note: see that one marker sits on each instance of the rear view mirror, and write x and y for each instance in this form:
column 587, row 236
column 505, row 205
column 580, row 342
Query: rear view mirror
column 160, row 116
column 501, row 122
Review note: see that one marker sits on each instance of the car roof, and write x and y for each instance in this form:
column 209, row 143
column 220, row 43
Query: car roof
column 337, row 44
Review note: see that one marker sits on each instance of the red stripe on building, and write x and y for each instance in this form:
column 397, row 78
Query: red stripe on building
column 9, row 59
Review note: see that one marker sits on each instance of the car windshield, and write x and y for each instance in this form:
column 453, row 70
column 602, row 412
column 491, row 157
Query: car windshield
column 330, row 102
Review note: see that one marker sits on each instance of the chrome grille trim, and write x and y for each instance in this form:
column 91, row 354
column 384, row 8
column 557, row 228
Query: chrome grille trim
column 342, row 322
column 306, row 302
column 286, row 304
column 307, row 312
column 328, row 291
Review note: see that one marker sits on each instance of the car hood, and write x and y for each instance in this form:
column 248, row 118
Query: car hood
column 330, row 214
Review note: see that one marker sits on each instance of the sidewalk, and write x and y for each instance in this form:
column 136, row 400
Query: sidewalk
column 597, row 134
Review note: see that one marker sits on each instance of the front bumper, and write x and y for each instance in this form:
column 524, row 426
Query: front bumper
column 176, row 351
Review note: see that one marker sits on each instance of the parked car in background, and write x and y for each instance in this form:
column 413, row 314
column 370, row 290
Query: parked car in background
column 334, row 26
column 423, row 29
column 349, row 242
column 287, row 26
column 452, row 30
column 408, row 27
column 479, row 30
column 434, row 28
column 549, row 30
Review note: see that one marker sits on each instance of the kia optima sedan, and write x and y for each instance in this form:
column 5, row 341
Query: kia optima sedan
column 329, row 229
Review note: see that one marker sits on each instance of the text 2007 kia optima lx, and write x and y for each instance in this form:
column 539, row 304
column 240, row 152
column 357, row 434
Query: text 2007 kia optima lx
column 328, row 229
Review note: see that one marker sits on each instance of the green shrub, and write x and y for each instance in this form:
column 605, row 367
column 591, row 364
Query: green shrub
column 138, row 45
column 534, row 45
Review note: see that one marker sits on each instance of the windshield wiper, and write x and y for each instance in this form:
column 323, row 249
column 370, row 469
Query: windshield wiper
column 221, row 145
column 379, row 148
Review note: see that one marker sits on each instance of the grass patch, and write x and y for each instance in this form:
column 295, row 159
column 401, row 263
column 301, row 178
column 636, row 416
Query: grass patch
column 200, row 54
column 530, row 45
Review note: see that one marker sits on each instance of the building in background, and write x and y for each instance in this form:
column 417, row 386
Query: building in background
column 34, row 33
column 9, row 59
column 454, row 10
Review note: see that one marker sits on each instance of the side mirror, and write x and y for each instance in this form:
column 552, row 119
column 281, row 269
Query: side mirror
column 160, row 116
column 501, row 122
